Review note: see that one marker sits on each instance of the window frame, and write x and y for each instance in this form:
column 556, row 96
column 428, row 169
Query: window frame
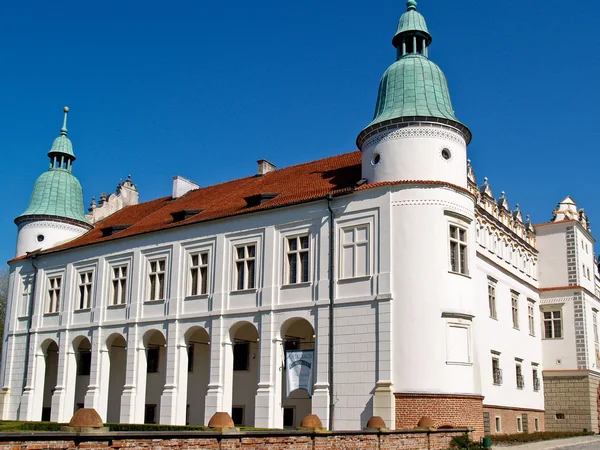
column 519, row 378
column 297, row 255
column 595, row 326
column 52, row 304
column 496, row 370
column 244, row 261
column 124, row 289
column 84, row 302
column 514, row 303
column 492, row 285
column 552, row 310
column 153, row 290
column 203, row 285
column 462, row 248
column 25, row 293
column 344, row 246
column 531, row 316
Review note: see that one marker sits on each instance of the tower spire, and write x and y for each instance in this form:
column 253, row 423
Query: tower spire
column 411, row 5
column 63, row 130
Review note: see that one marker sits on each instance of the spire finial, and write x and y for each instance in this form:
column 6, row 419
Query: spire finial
column 63, row 130
column 411, row 5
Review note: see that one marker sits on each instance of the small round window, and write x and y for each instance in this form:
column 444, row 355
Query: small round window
column 376, row 158
column 446, row 154
column 40, row 237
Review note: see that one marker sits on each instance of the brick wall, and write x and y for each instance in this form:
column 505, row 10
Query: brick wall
column 455, row 410
column 571, row 401
column 276, row 440
column 508, row 420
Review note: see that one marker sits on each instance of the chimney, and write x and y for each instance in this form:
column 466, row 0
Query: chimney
column 182, row 186
column 264, row 167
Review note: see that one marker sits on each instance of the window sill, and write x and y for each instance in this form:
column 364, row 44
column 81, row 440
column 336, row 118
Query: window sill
column 494, row 318
column 244, row 291
column 196, row 297
column 552, row 339
column 531, row 334
column 466, row 275
column 519, row 388
column 354, row 279
column 516, row 328
column 82, row 310
column 497, row 384
column 296, row 285
column 22, row 317
column 116, row 306
column 451, row 363
column 51, row 314
column 154, row 302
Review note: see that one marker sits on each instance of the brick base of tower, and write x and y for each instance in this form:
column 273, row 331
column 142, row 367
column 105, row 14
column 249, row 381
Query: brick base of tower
column 454, row 410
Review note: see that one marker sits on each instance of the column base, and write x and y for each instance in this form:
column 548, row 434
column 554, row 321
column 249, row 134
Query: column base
column 384, row 404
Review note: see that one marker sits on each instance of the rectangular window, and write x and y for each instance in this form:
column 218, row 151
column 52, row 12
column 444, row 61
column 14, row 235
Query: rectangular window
column 53, row 297
column 84, row 363
column 190, row 352
column 515, row 310
column 531, row 317
column 241, row 355
column 26, row 292
column 297, row 259
column 150, row 414
column 498, row 425
column 537, row 424
column 519, row 374
column 198, row 274
column 156, row 277
column 288, row 416
column 492, row 300
column 153, row 355
column 552, row 325
column 496, row 371
column 458, row 345
column 458, row 250
column 237, row 415
column 119, row 285
column 519, row 424
column 595, row 323
column 245, row 265
column 536, row 380
column 355, row 252
column 85, row 290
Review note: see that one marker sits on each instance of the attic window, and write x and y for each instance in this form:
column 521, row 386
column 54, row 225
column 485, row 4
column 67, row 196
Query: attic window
column 109, row 231
column 259, row 199
column 185, row 214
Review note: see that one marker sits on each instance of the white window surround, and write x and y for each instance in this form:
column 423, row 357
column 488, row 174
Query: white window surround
column 198, row 273
column 121, row 297
column 492, row 286
column 298, row 259
column 53, row 292
column 153, row 273
column 244, row 241
column 286, row 232
column 85, row 279
column 514, row 299
column 459, row 345
column 194, row 248
column 347, row 271
column 552, row 323
column 458, row 247
column 26, row 290
column 355, row 251
column 531, row 316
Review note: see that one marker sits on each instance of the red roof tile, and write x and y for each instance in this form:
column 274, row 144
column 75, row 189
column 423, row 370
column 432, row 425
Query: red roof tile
column 296, row 184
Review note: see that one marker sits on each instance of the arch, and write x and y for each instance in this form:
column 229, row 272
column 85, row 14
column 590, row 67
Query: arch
column 297, row 334
column 245, row 358
column 83, row 365
column 50, row 351
column 116, row 347
column 195, row 363
column 155, row 345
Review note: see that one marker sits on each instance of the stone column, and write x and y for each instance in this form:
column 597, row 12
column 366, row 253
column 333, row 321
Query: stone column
column 33, row 393
column 384, row 402
column 64, row 395
column 170, row 410
column 266, row 413
column 97, row 393
column 221, row 358
column 320, row 400
column 134, row 375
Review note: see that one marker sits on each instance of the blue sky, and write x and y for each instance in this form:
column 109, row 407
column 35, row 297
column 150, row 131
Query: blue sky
column 204, row 89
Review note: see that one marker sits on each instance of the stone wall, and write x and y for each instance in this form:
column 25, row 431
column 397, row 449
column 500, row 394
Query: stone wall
column 455, row 410
column 275, row 440
column 571, row 399
column 508, row 420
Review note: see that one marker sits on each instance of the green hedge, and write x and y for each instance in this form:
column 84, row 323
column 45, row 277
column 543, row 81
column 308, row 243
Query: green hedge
column 520, row 438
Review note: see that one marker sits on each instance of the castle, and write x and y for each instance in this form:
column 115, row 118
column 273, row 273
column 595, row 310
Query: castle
column 411, row 289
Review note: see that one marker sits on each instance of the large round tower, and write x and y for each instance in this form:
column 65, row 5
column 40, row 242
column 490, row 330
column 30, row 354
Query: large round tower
column 416, row 143
column 55, row 213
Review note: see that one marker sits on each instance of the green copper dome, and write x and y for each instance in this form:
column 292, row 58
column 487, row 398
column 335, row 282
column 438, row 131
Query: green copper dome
column 413, row 86
column 412, row 22
column 57, row 192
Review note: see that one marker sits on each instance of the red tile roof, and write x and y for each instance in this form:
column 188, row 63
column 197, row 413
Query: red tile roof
column 296, row 184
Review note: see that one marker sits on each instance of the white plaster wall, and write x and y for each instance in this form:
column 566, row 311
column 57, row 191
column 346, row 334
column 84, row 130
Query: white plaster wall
column 552, row 247
column 54, row 233
column 414, row 153
column 419, row 301
column 499, row 335
column 561, row 350
column 585, row 258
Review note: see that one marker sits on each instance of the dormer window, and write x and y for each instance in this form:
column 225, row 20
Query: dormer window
column 259, row 199
column 109, row 231
column 180, row 216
